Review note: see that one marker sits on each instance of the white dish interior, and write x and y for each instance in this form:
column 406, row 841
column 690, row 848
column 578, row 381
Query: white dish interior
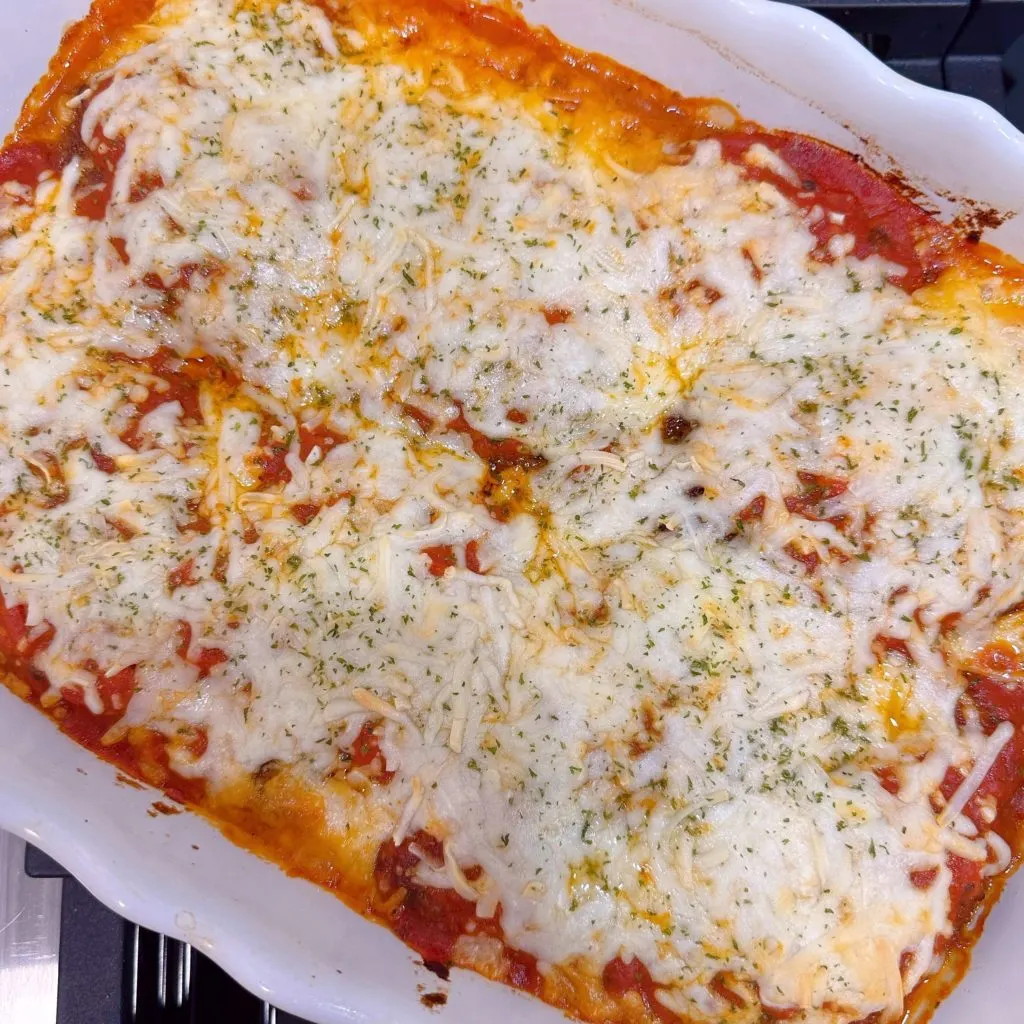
column 288, row 941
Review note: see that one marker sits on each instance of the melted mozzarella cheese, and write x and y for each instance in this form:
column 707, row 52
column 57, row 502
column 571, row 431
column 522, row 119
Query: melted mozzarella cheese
column 653, row 721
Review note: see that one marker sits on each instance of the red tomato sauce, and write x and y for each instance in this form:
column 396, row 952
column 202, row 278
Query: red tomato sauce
column 83, row 47
column 505, row 486
column 966, row 890
column 994, row 702
column 24, row 162
column 268, row 460
column 622, row 976
column 555, row 315
column 884, row 644
column 431, row 920
column 104, row 463
column 320, row 436
column 142, row 753
column 879, row 213
column 115, row 691
column 815, row 489
column 171, row 289
column 473, row 558
column 197, row 521
column 440, row 557
column 443, row 556
column 366, row 747
column 507, row 453
column 924, row 878
column 997, row 702
column 96, row 177
column 886, row 775
column 180, row 382
column 367, row 756
column 304, row 512
column 753, row 511
column 182, row 575
column 809, row 559
column 423, row 420
column 206, row 659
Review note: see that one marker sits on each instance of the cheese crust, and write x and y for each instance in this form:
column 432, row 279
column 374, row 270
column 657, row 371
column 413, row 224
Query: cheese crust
column 577, row 526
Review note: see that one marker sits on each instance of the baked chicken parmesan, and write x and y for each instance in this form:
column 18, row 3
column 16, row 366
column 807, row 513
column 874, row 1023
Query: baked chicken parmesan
column 578, row 526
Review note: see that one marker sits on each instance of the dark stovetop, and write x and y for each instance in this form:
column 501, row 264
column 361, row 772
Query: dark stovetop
column 113, row 972
column 973, row 47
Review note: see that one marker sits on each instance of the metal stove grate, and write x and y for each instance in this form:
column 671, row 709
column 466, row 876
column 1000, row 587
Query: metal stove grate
column 114, row 972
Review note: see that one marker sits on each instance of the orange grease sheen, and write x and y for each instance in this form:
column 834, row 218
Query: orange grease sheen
column 85, row 48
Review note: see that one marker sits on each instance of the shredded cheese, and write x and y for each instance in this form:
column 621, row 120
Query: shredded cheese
column 647, row 700
column 994, row 744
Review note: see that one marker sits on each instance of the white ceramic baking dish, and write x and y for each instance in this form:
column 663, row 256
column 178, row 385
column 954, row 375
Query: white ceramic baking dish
column 288, row 941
